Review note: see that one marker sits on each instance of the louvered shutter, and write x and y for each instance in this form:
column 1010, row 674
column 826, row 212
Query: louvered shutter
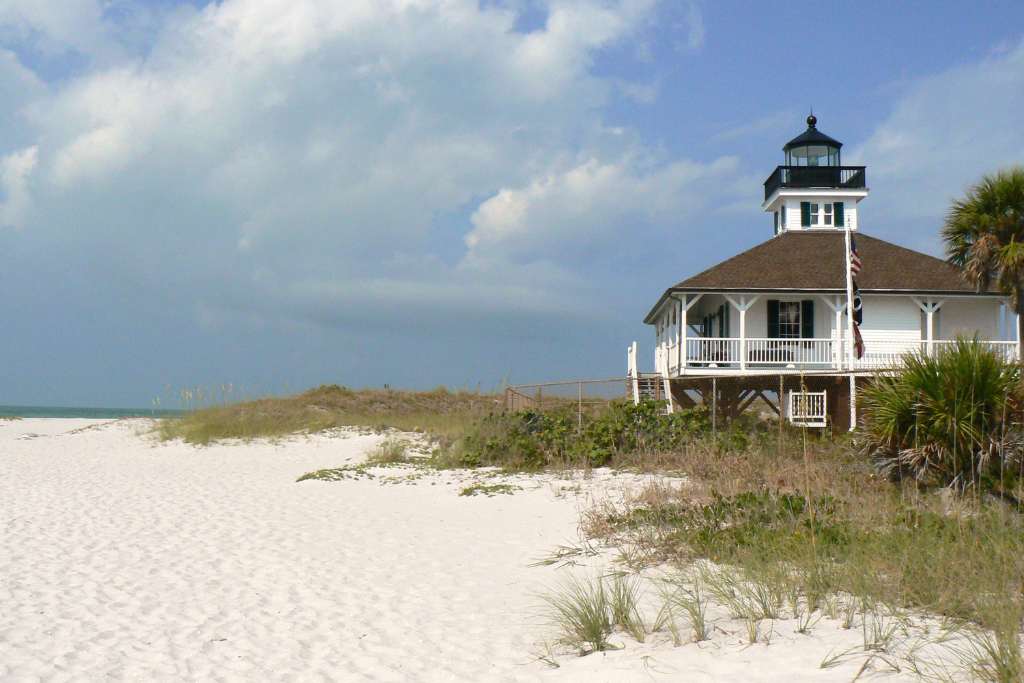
column 807, row 318
column 840, row 215
column 773, row 319
column 805, row 214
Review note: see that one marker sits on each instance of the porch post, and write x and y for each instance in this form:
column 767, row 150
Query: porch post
column 743, row 332
column 685, row 304
column 929, row 313
column 929, row 306
column 838, row 307
column 1016, row 336
column 683, row 307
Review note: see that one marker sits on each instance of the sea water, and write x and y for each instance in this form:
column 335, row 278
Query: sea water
column 89, row 413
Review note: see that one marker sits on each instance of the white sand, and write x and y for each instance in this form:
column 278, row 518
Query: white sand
column 126, row 559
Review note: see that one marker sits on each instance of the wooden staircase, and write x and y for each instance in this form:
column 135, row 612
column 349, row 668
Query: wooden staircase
column 647, row 386
column 650, row 386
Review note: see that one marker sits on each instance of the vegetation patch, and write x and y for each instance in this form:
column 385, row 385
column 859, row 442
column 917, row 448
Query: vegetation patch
column 389, row 452
column 952, row 419
column 489, row 490
column 338, row 474
column 443, row 414
column 531, row 441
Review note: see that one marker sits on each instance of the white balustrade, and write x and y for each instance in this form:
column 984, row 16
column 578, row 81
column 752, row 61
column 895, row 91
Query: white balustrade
column 795, row 352
column 712, row 351
column 808, row 408
column 799, row 354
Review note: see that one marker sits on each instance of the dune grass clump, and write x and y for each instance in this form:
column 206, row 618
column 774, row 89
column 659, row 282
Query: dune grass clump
column 443, row 414
column 685, row 595
column 389, row 452
column 624, row 603
column 581, row 609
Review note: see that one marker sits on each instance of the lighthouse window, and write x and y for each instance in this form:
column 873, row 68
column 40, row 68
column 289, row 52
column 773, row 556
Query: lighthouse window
column 818, row 215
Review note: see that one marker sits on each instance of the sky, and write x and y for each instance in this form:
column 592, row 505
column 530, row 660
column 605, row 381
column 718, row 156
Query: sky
column 274, row 194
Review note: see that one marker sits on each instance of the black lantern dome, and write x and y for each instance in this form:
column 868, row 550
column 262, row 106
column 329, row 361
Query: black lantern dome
column 812, row 147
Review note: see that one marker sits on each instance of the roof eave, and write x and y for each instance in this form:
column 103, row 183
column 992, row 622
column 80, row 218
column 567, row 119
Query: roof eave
column 649, row 319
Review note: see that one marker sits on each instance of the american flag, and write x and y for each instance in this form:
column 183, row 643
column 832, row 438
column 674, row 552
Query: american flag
column 858, row 305
column 855, row 264
column 858, row 342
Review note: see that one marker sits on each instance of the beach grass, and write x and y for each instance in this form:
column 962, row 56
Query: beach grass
column 444, row 415
column 581, row 608
column 805, row 533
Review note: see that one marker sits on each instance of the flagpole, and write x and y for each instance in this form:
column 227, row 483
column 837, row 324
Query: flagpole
column 849, row 328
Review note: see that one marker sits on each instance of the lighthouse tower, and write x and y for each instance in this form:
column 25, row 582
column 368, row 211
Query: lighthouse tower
column 813, row 190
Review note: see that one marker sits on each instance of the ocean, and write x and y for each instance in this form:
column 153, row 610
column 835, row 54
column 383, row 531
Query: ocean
column 90, row 413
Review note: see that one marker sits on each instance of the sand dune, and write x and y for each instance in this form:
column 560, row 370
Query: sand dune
column 127, row 559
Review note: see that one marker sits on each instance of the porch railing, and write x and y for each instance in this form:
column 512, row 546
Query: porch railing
column 818, row 354
column 730, row 352
column 814, row 176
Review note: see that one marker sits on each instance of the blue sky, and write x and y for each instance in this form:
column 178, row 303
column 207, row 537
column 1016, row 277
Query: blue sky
column 273, row 194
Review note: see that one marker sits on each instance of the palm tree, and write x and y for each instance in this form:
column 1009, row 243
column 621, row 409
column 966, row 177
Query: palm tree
column 984, row 235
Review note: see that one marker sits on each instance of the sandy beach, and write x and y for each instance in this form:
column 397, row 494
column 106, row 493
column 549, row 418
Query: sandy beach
column 124, row 558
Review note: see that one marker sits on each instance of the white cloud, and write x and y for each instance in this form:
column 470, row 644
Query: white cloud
column 290, row 155
column 944, row 133
column 593, row 205
column 15, row 169
column 56, row 26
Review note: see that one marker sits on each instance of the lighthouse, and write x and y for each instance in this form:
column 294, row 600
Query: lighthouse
column 813, row 190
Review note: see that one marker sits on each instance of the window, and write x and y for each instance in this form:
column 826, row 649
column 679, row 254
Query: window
column 789, row 319
column 783, row 216
column 816, row 215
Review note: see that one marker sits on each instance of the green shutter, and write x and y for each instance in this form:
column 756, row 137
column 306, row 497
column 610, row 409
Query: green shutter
column 805, row 214
column 773, row 319
column 807, row 318
column 840, row 217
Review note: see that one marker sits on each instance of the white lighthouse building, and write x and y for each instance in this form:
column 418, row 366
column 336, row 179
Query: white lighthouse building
column 778, row 312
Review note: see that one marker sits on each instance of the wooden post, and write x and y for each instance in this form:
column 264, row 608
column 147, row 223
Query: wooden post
column 579, row 426
column 782, row 408
column 714, row 407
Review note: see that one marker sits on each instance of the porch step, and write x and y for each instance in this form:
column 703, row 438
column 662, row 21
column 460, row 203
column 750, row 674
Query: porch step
column 651, row 387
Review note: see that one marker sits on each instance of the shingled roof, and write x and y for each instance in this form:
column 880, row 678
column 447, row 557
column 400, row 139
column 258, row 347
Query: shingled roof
column 814, row 260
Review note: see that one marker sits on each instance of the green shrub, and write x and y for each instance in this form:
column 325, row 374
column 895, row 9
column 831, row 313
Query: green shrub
column 532, row 440
column 950, row 420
